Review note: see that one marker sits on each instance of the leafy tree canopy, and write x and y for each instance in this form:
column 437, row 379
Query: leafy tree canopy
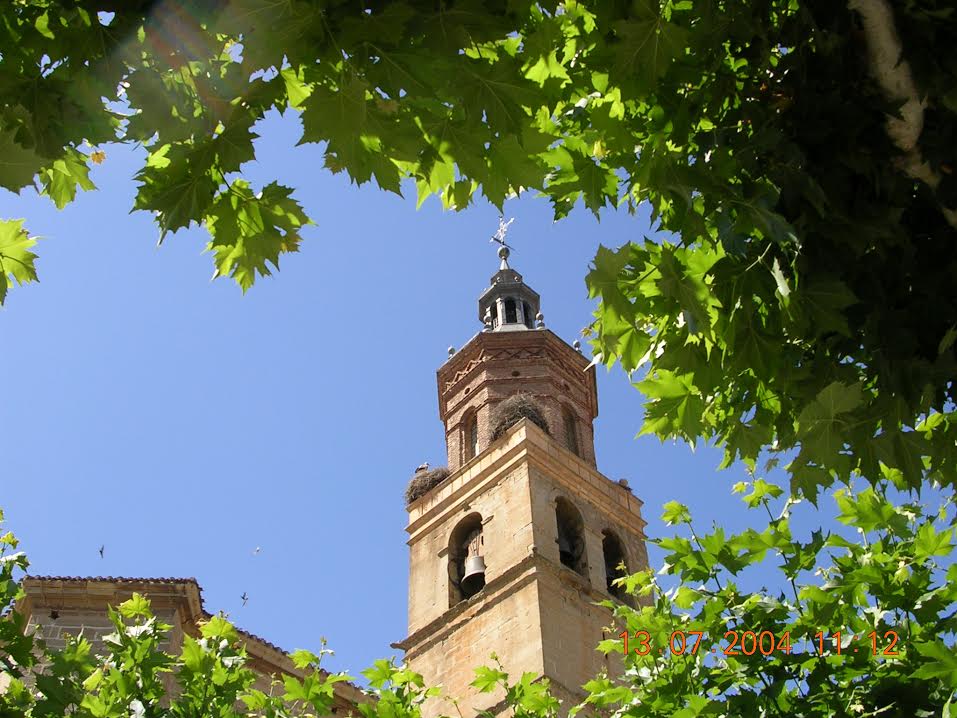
column 862, row 630
column 801, row 151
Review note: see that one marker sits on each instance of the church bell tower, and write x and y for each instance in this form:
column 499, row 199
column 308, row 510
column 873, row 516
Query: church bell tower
column 511, row 551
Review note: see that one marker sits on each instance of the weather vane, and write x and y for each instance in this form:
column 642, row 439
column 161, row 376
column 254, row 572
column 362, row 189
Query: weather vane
column 499, row 236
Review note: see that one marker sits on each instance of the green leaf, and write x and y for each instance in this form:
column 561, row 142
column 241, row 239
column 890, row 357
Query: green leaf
column 676, row 513
column 762, row 489
column 18, row 165
column 497, row 93
column 250, row 232
column 930, row 542
column 178, row 185
column 16, row 259
column 487, row 679
column 218, row 627
column 61, row 179
column 822, row 423
column 826, row 299
column 379, row 673
column 686, row 597
column 297, row 89
column 136, row 606
column 521, row 170
column 675, row 405
column 303, row 658
column 547, row 67
column 647, row 46
column 867, row 509
column 599, row 184
column 941, row 663
column 337, row 115
column 808, row 480
column 42, row 25
column 542, row 47
column 685, row 286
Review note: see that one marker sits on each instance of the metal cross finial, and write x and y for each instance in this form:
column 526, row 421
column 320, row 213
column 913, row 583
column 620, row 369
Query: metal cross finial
column 499, row 235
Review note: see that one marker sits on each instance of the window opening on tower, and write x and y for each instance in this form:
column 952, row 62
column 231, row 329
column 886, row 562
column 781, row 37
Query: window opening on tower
column 511, row 316
column 466, row 559
column 616, row 566
column 571, row 537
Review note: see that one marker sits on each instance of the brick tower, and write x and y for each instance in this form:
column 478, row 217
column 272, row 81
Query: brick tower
column 510, row 553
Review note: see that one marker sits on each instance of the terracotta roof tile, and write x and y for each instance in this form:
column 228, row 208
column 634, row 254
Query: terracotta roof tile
column 120, row 579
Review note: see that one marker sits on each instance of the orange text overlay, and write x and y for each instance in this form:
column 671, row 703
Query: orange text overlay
column 762, row 642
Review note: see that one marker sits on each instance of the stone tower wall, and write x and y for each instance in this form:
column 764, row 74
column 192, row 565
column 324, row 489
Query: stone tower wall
column 535, row 613
column 496, row 365
column 505, row 509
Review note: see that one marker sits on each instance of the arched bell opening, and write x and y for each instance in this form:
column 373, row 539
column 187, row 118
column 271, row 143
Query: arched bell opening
column 571, row 537
column 466, row 559
column 616, row 565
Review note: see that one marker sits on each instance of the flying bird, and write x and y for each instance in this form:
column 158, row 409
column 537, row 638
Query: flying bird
column 422, row 467
column 258, row 550
column 102, row 549
column 244, row 597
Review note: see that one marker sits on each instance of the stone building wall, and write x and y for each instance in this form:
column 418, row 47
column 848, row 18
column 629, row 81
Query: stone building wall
column 56, row 607
column 535, row 613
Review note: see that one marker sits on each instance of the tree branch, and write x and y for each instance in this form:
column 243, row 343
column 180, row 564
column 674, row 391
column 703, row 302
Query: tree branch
column 893, row 74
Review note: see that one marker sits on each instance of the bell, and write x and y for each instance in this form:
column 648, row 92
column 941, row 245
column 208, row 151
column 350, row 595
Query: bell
column 565, row 550
column 474, row 575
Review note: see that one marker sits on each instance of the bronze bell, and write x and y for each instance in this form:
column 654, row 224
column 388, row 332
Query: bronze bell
column 473, row 579
column 565, row 550
column 570, row 549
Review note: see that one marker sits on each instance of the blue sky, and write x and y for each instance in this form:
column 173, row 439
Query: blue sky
column 183, row 424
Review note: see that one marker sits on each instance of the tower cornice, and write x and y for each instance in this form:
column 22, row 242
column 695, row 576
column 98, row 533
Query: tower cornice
column 490, row 347
column 525, row 443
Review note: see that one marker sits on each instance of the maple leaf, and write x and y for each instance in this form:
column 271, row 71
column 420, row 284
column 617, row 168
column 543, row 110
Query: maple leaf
column 16, row 259
column 648, row 46
column 18, row 165
column 250, row 231
column 60, row 180
column 178, row 184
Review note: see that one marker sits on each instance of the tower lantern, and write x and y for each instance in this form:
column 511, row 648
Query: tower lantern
column 510, row 303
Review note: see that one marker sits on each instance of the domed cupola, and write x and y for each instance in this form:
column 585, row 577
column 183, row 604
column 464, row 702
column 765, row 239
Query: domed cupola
column 509, row 304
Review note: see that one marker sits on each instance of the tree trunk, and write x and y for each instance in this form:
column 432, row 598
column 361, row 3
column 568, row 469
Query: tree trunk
column 893, row 74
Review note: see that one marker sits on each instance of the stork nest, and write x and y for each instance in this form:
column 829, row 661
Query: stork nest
column 423, row 482
column 512, row 410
